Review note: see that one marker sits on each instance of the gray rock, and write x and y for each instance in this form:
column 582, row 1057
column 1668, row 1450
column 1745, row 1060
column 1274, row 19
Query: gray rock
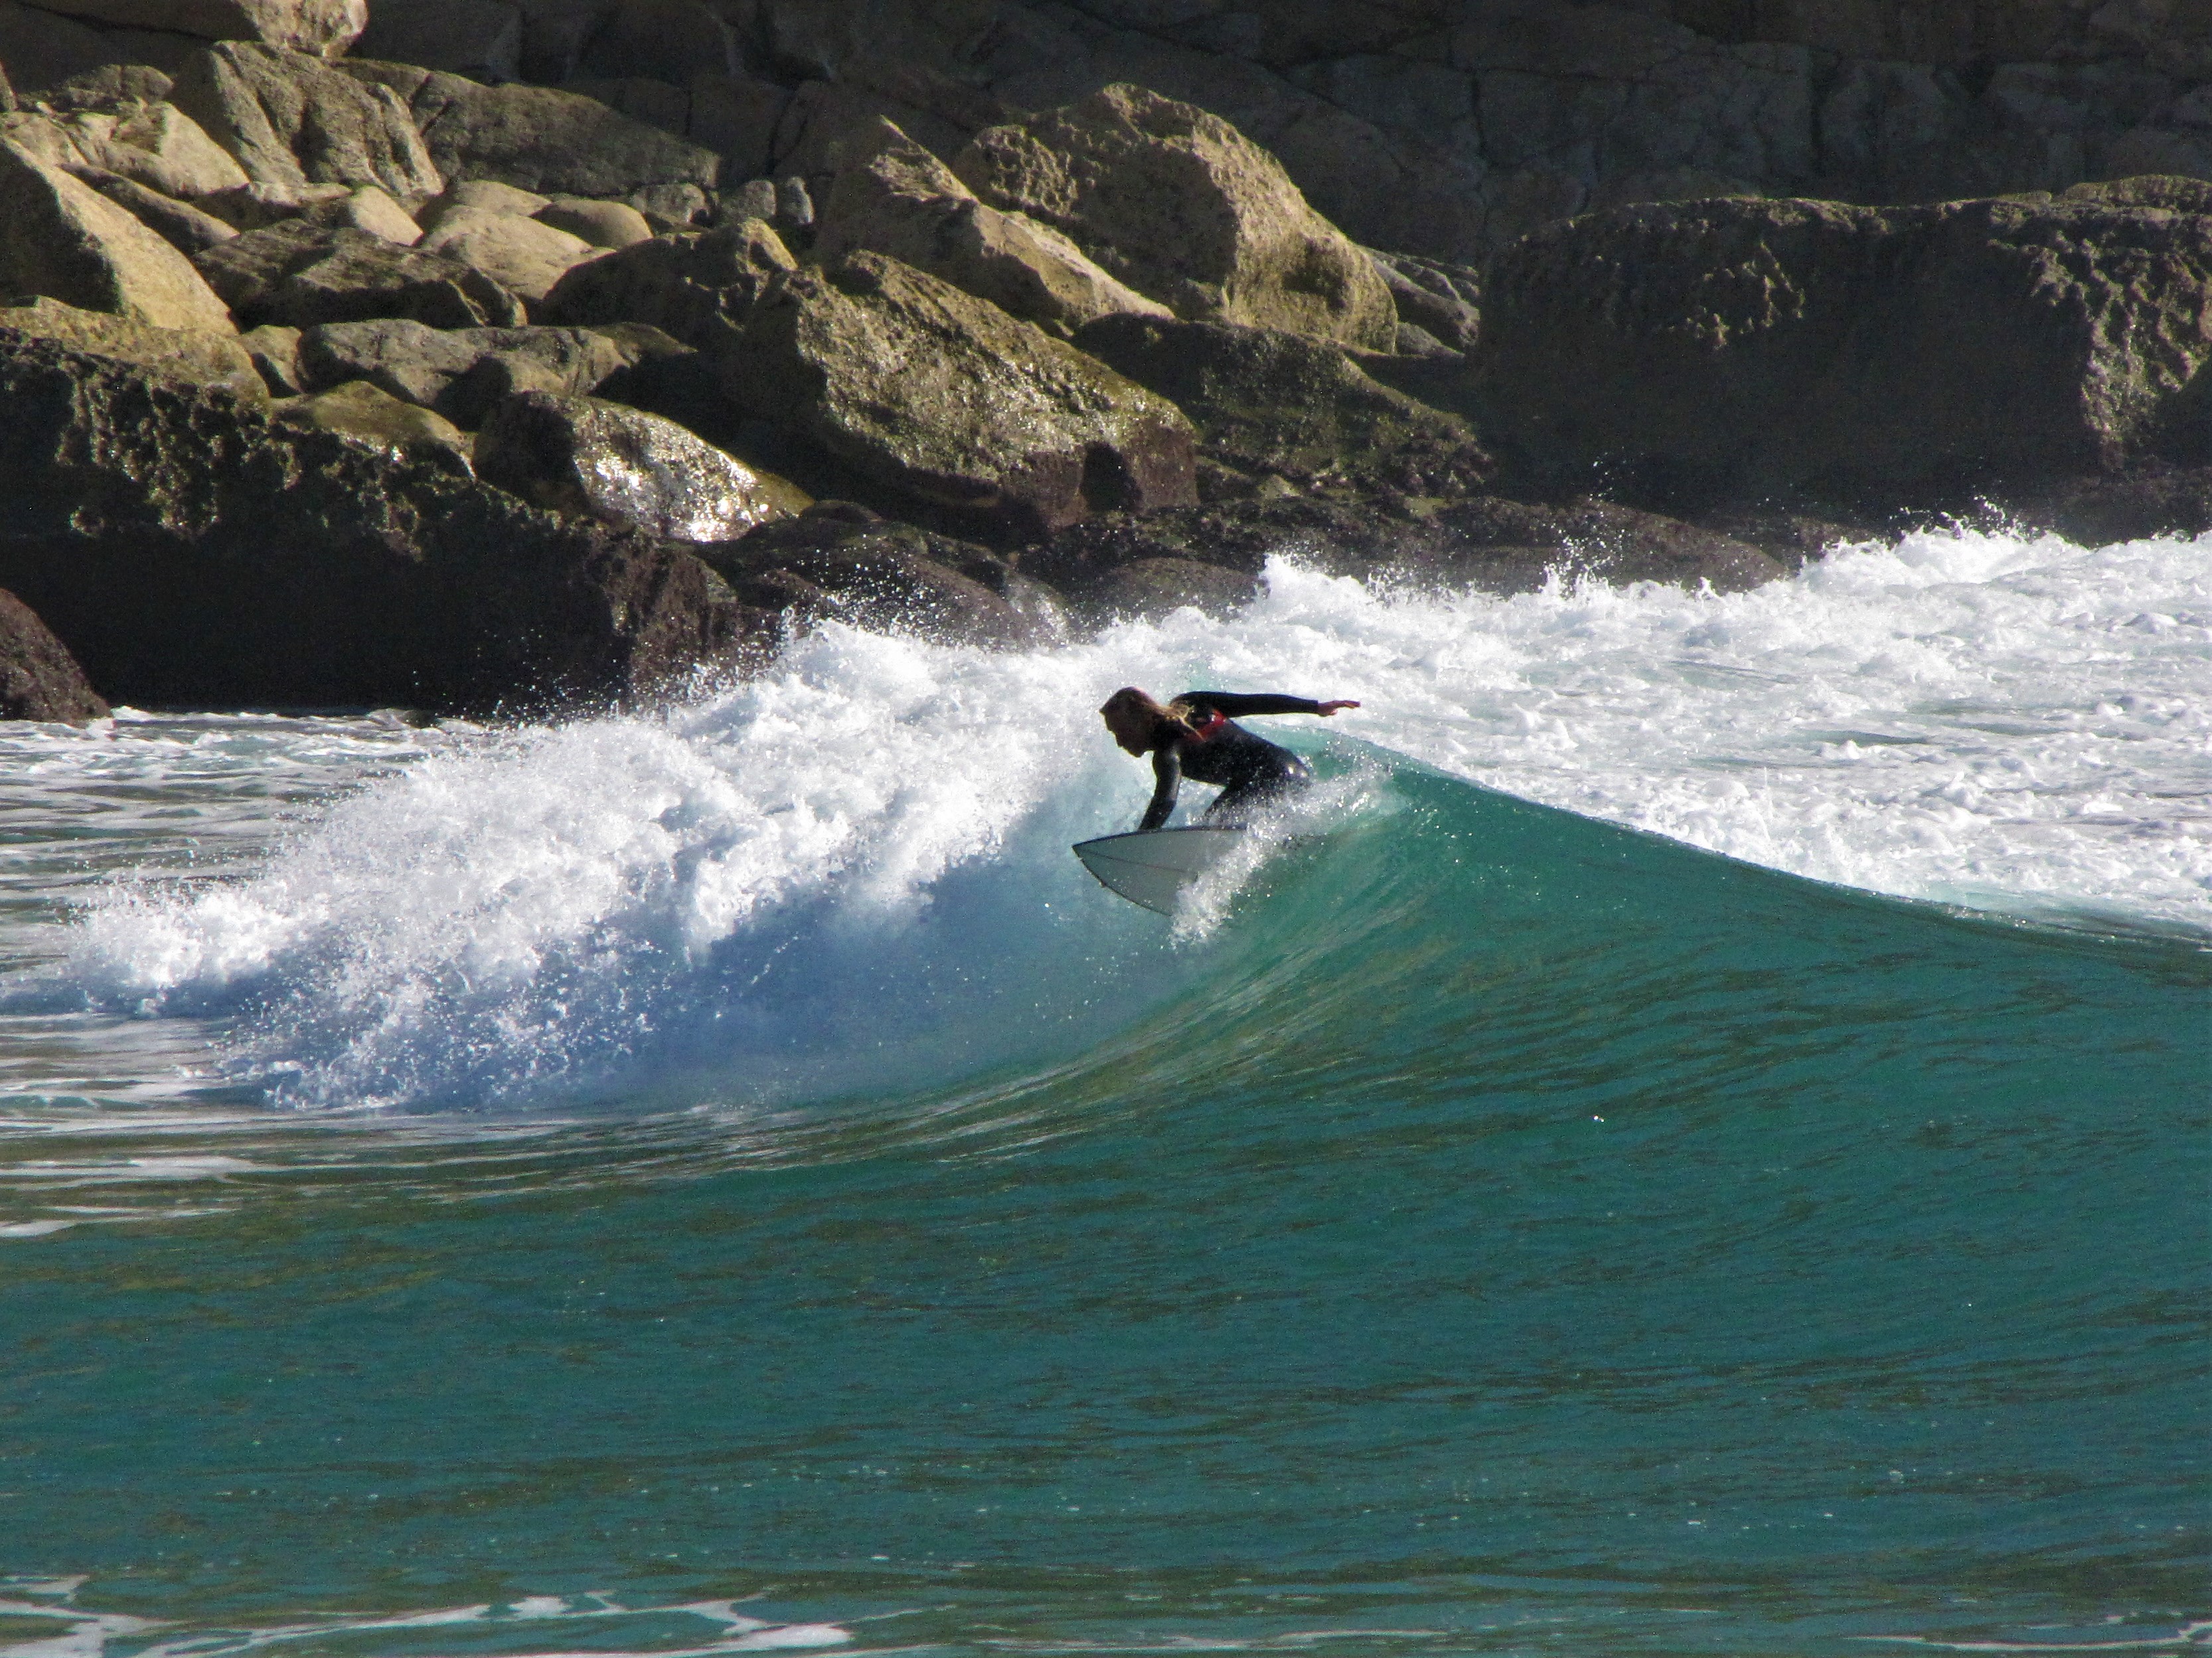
column 300, row 274
column 698, row 287
column 463, row 372
column 735, row 116
column 151, row 143
column 61, row 238
column 190, row 552
column 361, row 413
column 1739, row 346
column 942, row 396
column 622, row 466
column 480, row 195
column 1184, row 209
column 539, row 138
column 293, row 120
column 603, row 224
column 205, row 357
column 1442, row 300
column 668, row 40
column 326, row 28
column 522, row 256
column 42, row 50
column 184, row 228
column 753, row 199
column 39, row 678
column 275, row 351
column 479, row 39
column 1270, row 405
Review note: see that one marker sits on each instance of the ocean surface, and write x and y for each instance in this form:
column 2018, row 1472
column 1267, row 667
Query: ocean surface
column 1694, row 1139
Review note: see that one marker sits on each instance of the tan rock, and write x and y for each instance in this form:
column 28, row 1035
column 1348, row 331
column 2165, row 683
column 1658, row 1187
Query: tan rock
column 522, row 256
column 184, row 228
column 205, row 358
column 699, row 287
column 151, row 143
column 61, row 238
column 371, row 210
column 486, row 196
column 291, row 120
column 326, row 27
column 360, row 413
column 894, row 197
column 275, row 350
column 1180, row 205
column 944, row 396
column 603, row 224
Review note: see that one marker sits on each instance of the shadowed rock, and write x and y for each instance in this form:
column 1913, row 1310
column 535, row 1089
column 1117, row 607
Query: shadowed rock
column 943, row 396
column 326, row 28
column 39, row 678
column 292, row 120
column 697, row 287
column 202, row 356
column 300, row 274
column 183, row 226
column 361, row 414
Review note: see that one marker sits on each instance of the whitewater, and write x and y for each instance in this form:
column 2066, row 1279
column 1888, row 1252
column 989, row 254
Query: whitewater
column 1690, row 1139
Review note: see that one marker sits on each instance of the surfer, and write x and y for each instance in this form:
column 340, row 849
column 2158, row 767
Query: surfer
column 1196, row 736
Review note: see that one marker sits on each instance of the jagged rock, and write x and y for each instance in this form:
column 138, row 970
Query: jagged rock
column 603, row 224
column 1271, row 405
column 2148, row 501
column 39, row 678
column 623, row 467
column 60, row 238
column 360, row 413
column 484, row 196
column 480, row 38
column 843, row 563
column 699, row 287
column 323, row 27
column 111, row 83
column 300, row 274
column 256, row 207
column 1121, row 564
column 151, row 143
column 1735, row 347
column 2162, row 191
column 942, row 396
column 893, row 197
column 462, row 373
column 206, row 357
column 1181, row 206
column 1442, row 300
column 190, row 552
column 275, row 351
column 539, row 138
column 522, row 256
column 183, row 226
column 293, row 120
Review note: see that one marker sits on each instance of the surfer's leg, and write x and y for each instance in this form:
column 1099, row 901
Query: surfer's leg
column 1236, row 802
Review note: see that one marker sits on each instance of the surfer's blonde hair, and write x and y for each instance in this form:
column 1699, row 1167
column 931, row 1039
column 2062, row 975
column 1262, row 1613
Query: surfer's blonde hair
column 1129, row 706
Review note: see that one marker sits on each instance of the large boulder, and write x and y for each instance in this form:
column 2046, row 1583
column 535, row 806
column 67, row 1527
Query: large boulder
column 1741, row 346
column 39, row 678
column 1183, row 207
column 526, row 258
column 480, row 38
column 621, row 465
column 1270, row 405
column 361, row 414
column 300, row 273
column 151, row 142
column 462, row 373
column 203, row 356
column 943, row 397
column 326, row 27
column 188, row 551
column 61, row 238
column 292, row 120
column 892, row 197
column 539, row 138
column 698, row 287
column 181, row 225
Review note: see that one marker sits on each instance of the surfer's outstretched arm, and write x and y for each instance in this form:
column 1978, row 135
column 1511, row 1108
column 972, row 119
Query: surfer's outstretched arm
column 1235, row 705
column 1167, row 769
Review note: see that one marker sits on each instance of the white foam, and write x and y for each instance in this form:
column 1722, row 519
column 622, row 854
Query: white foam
column 785, row 871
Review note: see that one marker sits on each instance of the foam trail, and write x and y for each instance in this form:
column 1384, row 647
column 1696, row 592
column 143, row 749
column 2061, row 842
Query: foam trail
column 854, row 870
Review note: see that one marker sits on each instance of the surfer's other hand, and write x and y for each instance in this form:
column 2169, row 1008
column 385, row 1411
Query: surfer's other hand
column 1328, row 708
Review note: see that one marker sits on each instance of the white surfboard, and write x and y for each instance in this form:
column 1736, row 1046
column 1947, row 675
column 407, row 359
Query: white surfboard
column 1152, row 867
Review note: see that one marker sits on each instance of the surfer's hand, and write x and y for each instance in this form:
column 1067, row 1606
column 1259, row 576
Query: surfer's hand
column 1328, row 708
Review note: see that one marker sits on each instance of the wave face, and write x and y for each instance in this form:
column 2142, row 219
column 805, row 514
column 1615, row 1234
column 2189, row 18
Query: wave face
column 738, row 1152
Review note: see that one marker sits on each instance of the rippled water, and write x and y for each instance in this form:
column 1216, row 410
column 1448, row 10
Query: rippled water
column 1692, row 1142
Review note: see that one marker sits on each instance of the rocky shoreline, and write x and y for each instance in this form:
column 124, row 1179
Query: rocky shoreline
column 516, row 358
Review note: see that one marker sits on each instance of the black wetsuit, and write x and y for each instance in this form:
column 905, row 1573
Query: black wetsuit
column 1250, row 769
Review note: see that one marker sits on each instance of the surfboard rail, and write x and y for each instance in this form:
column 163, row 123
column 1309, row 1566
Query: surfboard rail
column 1151, row 867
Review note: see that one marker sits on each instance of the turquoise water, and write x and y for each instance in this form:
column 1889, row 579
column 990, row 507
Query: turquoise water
column 820, row 1219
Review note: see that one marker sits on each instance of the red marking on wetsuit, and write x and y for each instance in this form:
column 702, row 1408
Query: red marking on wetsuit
column 1215, row 722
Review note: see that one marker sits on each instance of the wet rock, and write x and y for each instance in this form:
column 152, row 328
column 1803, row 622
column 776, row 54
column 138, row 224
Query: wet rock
column 300, row 274
column 184, row 227
column 361, row 414
column 2147, row 500
column 326, row 28
column 1123, row 564
column 892, row 197
column 190, row 552
column 1733, row 347
column 539, row 138
column 603, row 224
column 39, row 678
column 60, row 238
column 1443, row 301
column 291, row 120
column 838, row 561
column 699, row 287
column 522, row 256
column 479, row 39
column 202, row 356
column 943, row 396
column 622, row 466
column 1270, row 405
column 151, row 143
column 1182, row 207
